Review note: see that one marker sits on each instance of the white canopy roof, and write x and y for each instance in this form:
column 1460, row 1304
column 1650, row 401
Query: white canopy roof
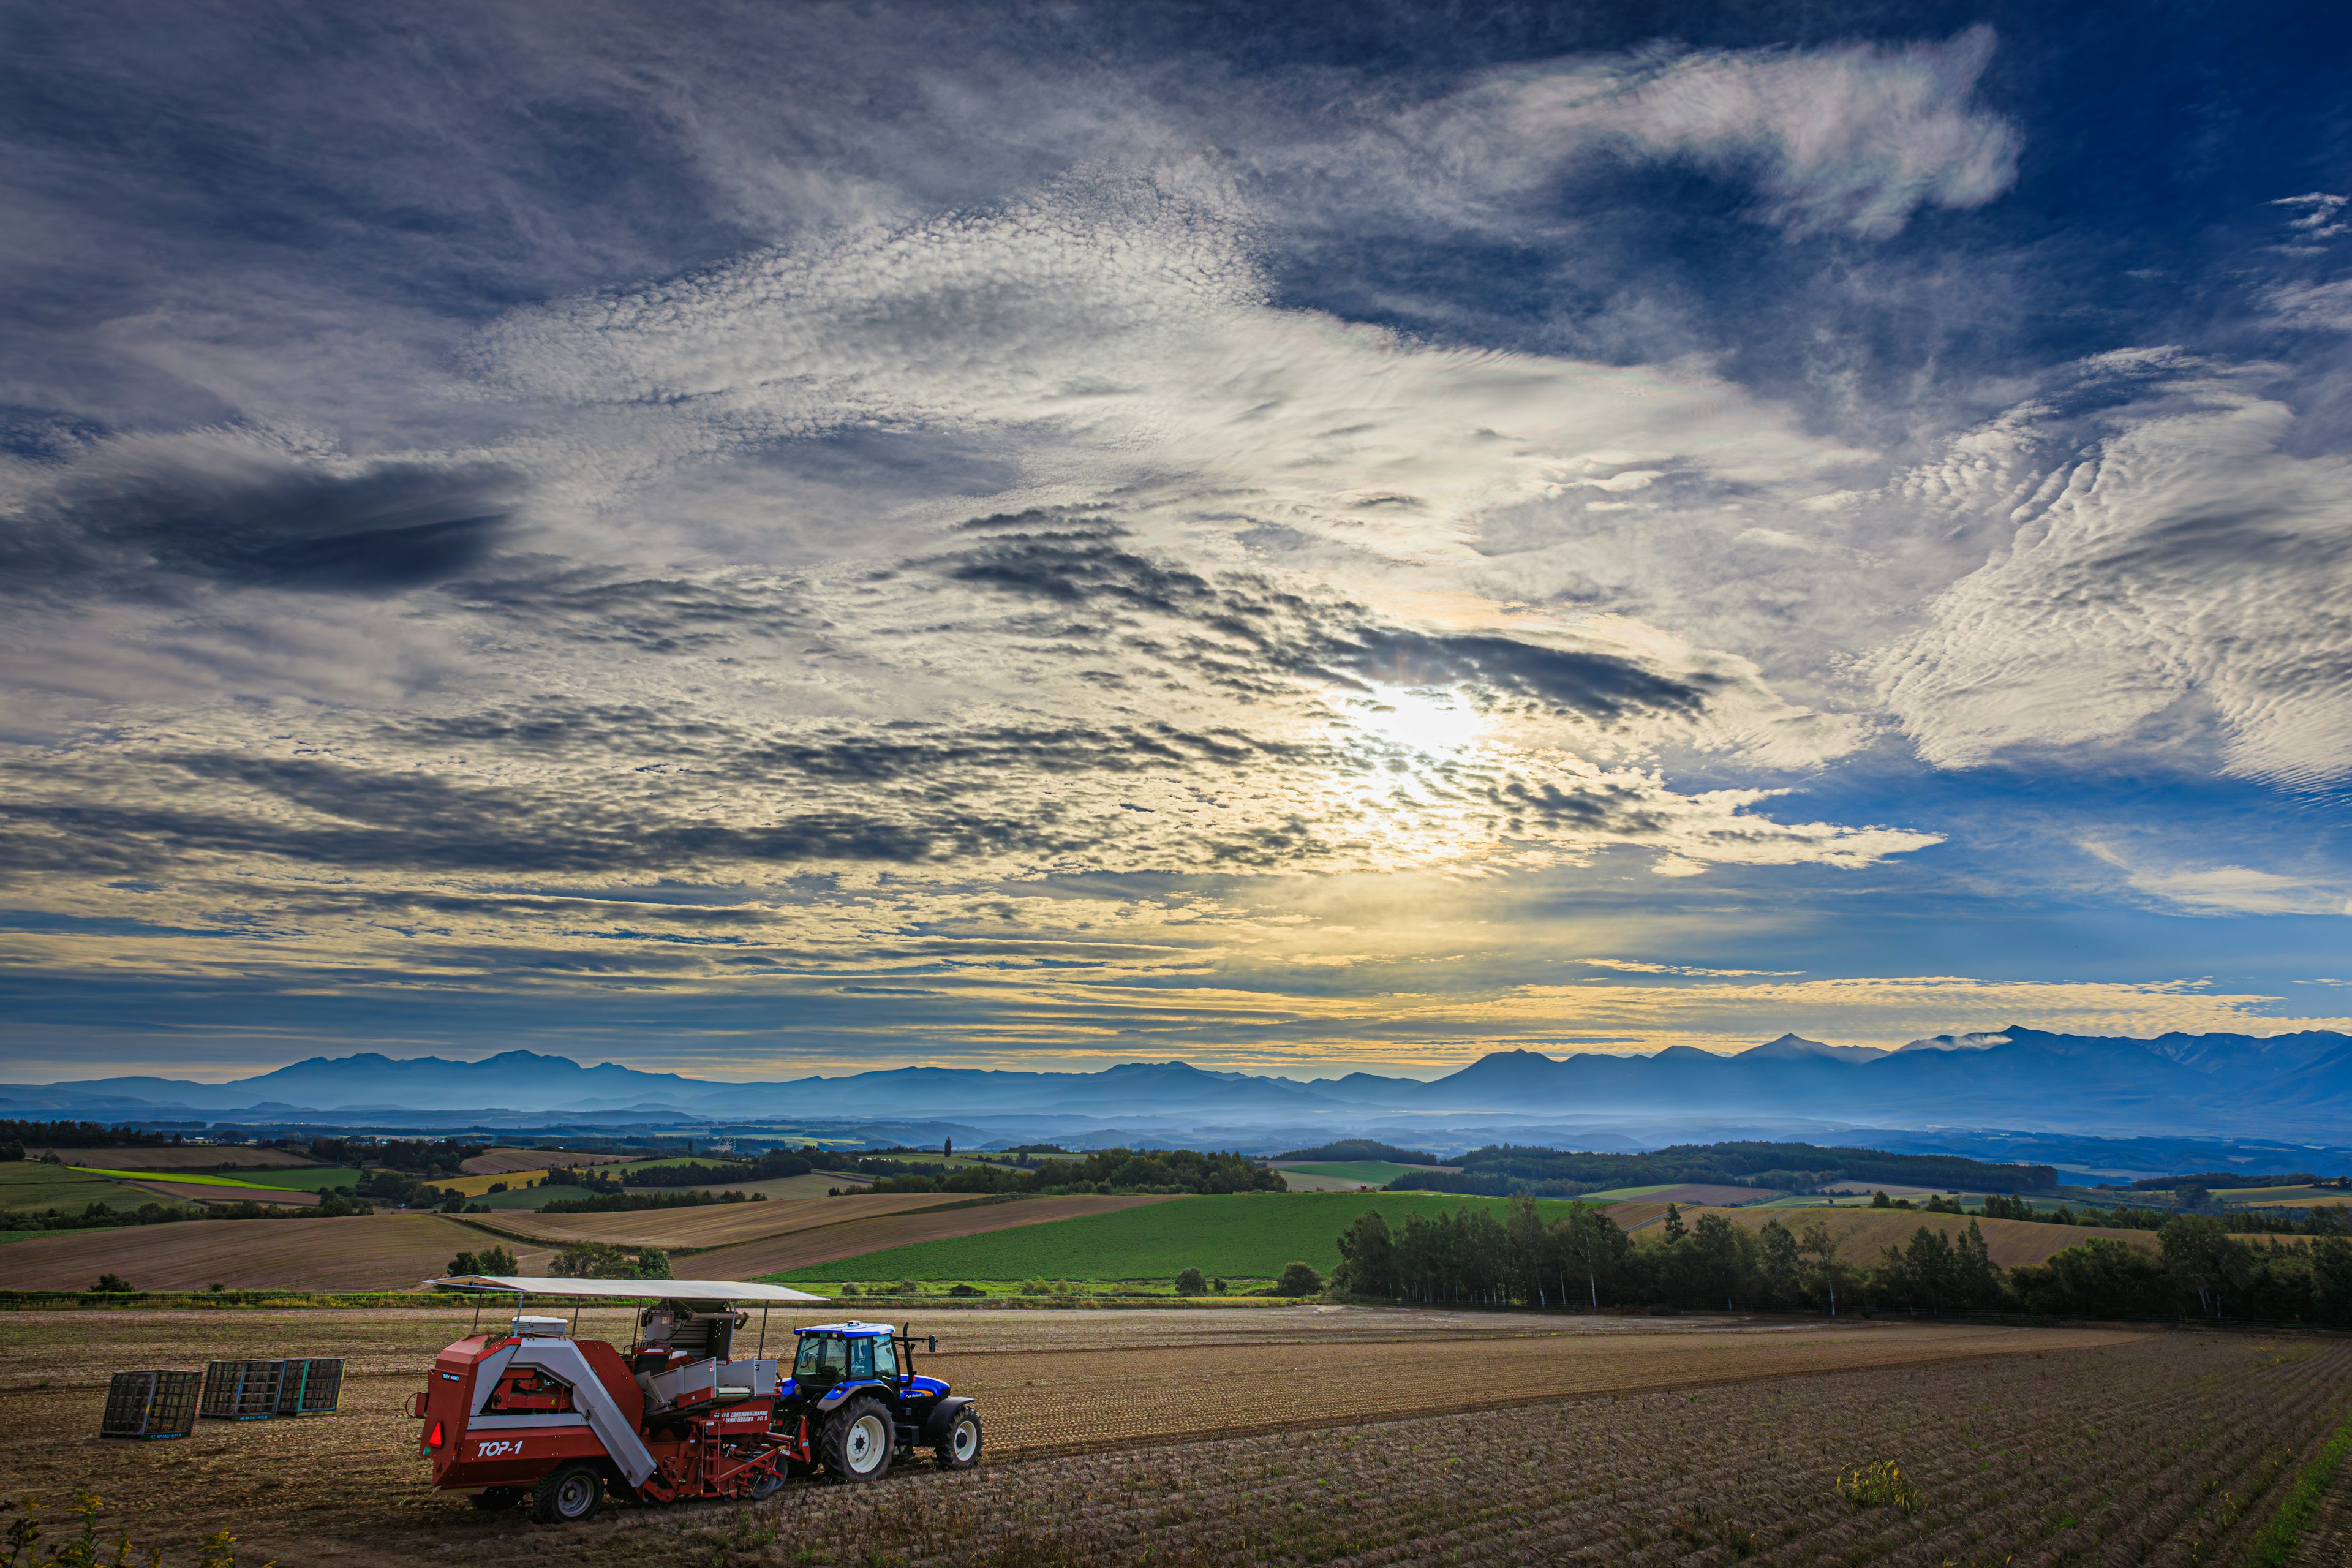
column 628, row 1290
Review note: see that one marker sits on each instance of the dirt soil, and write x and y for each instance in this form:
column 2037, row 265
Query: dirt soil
column 348, row 1488
column 360, row 1252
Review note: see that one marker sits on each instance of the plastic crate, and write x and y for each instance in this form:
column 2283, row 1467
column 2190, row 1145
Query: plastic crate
column 311, row 1386
column 243, row 1390
column 160, row 1404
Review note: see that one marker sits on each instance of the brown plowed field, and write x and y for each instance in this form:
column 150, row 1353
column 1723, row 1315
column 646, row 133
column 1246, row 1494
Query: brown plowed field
column 1868, row 1232
column 1710, row 1193
column 208, row 1157
column 361, row 1252
column 714, row 1225
column 1618, row 1429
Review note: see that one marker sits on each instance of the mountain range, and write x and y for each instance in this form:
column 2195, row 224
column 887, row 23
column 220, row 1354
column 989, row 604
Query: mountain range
column 2282, row 1086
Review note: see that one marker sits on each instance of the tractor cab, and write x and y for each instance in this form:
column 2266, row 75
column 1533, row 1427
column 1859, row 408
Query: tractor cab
column 853, row 1386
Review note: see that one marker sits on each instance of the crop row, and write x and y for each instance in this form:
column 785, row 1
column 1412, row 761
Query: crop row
column 2159, row 1451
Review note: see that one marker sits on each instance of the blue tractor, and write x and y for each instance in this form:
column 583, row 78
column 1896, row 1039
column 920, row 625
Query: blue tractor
column 855, row 1402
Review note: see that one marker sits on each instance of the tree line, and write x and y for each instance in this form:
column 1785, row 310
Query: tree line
column 1501, row 1168
column 1584, row 1260
column 1103, row 1170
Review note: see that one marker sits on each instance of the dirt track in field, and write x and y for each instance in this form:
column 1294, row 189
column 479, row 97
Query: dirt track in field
column 347, row 1488
column 714, row 1225
column 360, row 1252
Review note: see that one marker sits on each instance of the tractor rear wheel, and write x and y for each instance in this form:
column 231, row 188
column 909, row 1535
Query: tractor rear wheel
column 858, row 1441
column 490, row 1499
column 568, row 1494
column 961, row 1449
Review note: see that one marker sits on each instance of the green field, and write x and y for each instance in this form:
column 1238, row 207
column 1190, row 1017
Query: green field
column 1246, row 1235
column 529, row 1197
column 30, row 1185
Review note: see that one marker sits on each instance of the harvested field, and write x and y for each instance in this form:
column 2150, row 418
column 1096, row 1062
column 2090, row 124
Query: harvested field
column 1628, row 1440
column 716, row 1224
column 830, row 1244
column 184, row 1157
column 361, row 1252
column 506, row 1161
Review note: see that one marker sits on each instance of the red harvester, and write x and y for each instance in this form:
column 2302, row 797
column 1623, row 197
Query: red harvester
column 529, row 1410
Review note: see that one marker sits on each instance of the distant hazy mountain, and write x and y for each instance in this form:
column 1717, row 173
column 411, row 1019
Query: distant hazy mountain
column 2234, row 1085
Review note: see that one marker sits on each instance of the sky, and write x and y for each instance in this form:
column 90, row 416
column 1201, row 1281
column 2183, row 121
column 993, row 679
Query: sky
column 754, row 539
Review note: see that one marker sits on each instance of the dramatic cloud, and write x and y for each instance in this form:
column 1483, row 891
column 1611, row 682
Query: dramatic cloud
column 1853, row 138
column 2168, row 558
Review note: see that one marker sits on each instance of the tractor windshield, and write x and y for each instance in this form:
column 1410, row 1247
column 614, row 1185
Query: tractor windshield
column 823, row 1359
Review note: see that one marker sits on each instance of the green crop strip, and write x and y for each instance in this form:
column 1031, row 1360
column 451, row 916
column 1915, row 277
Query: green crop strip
column 2275, row 1545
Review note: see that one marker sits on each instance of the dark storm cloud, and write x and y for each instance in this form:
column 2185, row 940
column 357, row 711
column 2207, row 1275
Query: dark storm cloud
column 144, row 522
column 1079, row 560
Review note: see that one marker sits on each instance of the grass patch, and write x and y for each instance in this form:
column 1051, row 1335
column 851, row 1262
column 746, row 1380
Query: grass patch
column 30, row 1185
column 178, row 1178
column 521, row 1197
column 2275, row 1547
column 1243, row 1235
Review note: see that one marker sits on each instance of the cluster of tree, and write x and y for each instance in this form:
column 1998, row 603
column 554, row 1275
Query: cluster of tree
column 768, row 1167
column 1103, row 1170
column 419, row 1157
column 20, row 1136
column 597, row 1260
column 1500, row 1170
column 1349, row 1149
column 2206, row 1181
column 1471, row 1257
column 630, row 1203
column 2315, row 1221
column 493, row 1260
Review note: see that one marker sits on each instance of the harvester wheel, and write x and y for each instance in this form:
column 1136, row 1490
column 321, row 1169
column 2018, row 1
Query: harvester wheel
column 568, row 1494
column 765, row 1485
column 490, row 1499
column 961, row 1449
column 858, row 1441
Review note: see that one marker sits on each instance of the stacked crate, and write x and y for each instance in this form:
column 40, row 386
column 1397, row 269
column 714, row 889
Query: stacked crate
column 151, row 1404
column 243, row 1390
column 312, row 1387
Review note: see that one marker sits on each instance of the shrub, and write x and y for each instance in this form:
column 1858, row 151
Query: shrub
column 653, row 1263
column 111, row 1282
column 1882, row 1485
column 966, row 1291
column 1298, row 1279
column 1189, row 1283
column 491, row 1260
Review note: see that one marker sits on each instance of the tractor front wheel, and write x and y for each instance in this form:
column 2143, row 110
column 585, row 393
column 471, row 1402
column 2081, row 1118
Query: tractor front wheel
column 490, row 1499
column 961, row 1449
column 858, row 1441
column 568, row 1494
